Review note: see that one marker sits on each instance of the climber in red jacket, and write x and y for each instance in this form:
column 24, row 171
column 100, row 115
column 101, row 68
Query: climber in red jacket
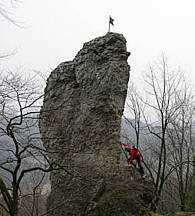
column 133, row 154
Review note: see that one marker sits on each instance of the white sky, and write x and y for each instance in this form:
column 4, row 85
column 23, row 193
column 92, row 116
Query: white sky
column 55, row 30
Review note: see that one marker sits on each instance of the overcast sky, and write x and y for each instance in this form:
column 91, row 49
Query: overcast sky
column 55, row 30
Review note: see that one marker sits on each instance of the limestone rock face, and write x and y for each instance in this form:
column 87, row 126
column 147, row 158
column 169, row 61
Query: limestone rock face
column 80, row 126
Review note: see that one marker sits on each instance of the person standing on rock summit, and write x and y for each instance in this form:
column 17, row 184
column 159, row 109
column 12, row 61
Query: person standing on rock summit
column 133, row 154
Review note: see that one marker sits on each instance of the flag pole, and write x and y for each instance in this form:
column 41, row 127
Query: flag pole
column 109, row 24
column 111, row 21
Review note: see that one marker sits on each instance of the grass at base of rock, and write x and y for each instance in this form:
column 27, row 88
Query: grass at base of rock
column 152, row 214
column 185, row 214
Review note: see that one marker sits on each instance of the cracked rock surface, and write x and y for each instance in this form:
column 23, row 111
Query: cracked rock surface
column 80, row 126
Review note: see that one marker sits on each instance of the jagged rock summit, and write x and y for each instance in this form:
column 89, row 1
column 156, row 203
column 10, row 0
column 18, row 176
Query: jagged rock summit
column 80, row 125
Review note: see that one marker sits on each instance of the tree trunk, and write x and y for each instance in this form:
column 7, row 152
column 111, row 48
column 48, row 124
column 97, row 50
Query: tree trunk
column 155, row 202
column 15, row 208
column 193, row 179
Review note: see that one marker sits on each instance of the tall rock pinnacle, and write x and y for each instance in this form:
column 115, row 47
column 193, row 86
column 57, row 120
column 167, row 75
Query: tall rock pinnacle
column 80, row 125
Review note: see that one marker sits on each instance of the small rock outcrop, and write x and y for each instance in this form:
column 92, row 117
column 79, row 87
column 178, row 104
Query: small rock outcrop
column 80, row 125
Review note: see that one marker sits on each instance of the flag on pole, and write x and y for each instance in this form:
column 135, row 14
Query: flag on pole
column 111, row 21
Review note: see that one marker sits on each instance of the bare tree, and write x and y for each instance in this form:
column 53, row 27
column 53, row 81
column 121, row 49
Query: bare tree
column 135, row 110
column 34, row 195
column 164, row 102
column 135, row 107
column 192, row 201
column 5, row 11
column 180, row 135
column 20, row 144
